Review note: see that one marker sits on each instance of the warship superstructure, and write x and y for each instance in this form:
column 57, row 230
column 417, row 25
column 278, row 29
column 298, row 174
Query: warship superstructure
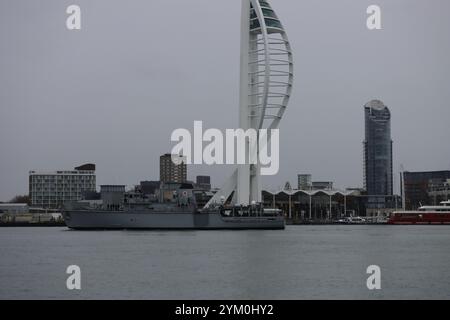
column 134, row 210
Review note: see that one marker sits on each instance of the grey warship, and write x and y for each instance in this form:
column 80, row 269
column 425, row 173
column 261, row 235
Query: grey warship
column 133, row 210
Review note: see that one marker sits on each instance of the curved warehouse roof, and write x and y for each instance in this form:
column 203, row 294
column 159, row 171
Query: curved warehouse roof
column 313, row 192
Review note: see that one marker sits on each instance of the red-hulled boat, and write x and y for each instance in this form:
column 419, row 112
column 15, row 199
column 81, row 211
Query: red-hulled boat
column 423, row 215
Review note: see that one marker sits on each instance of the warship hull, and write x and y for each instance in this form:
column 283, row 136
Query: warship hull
column 103, row 220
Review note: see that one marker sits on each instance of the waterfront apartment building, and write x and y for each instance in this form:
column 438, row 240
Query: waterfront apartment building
column 50, row 190
column 378, row 178
column 416, row 187
column 172, row 171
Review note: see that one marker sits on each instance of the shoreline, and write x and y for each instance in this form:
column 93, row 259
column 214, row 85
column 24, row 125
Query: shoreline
column 27, row 224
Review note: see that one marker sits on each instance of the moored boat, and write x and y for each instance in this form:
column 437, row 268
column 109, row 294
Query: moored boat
column 424, row 215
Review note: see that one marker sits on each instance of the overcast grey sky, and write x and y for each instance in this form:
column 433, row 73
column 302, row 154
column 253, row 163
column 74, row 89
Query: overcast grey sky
column 113, row 92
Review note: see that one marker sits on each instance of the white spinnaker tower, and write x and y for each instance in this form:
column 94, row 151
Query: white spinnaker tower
column 265, row 88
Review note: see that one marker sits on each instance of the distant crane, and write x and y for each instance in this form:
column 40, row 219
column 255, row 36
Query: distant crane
column 402, row 186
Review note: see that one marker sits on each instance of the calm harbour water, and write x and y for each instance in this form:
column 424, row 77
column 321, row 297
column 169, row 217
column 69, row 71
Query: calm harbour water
column 301, row 262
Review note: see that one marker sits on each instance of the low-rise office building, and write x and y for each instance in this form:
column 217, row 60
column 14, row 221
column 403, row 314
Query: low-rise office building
column 50, row 190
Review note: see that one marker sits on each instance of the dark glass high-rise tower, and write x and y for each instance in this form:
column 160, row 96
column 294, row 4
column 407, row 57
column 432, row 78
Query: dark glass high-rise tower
column 378, row 149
